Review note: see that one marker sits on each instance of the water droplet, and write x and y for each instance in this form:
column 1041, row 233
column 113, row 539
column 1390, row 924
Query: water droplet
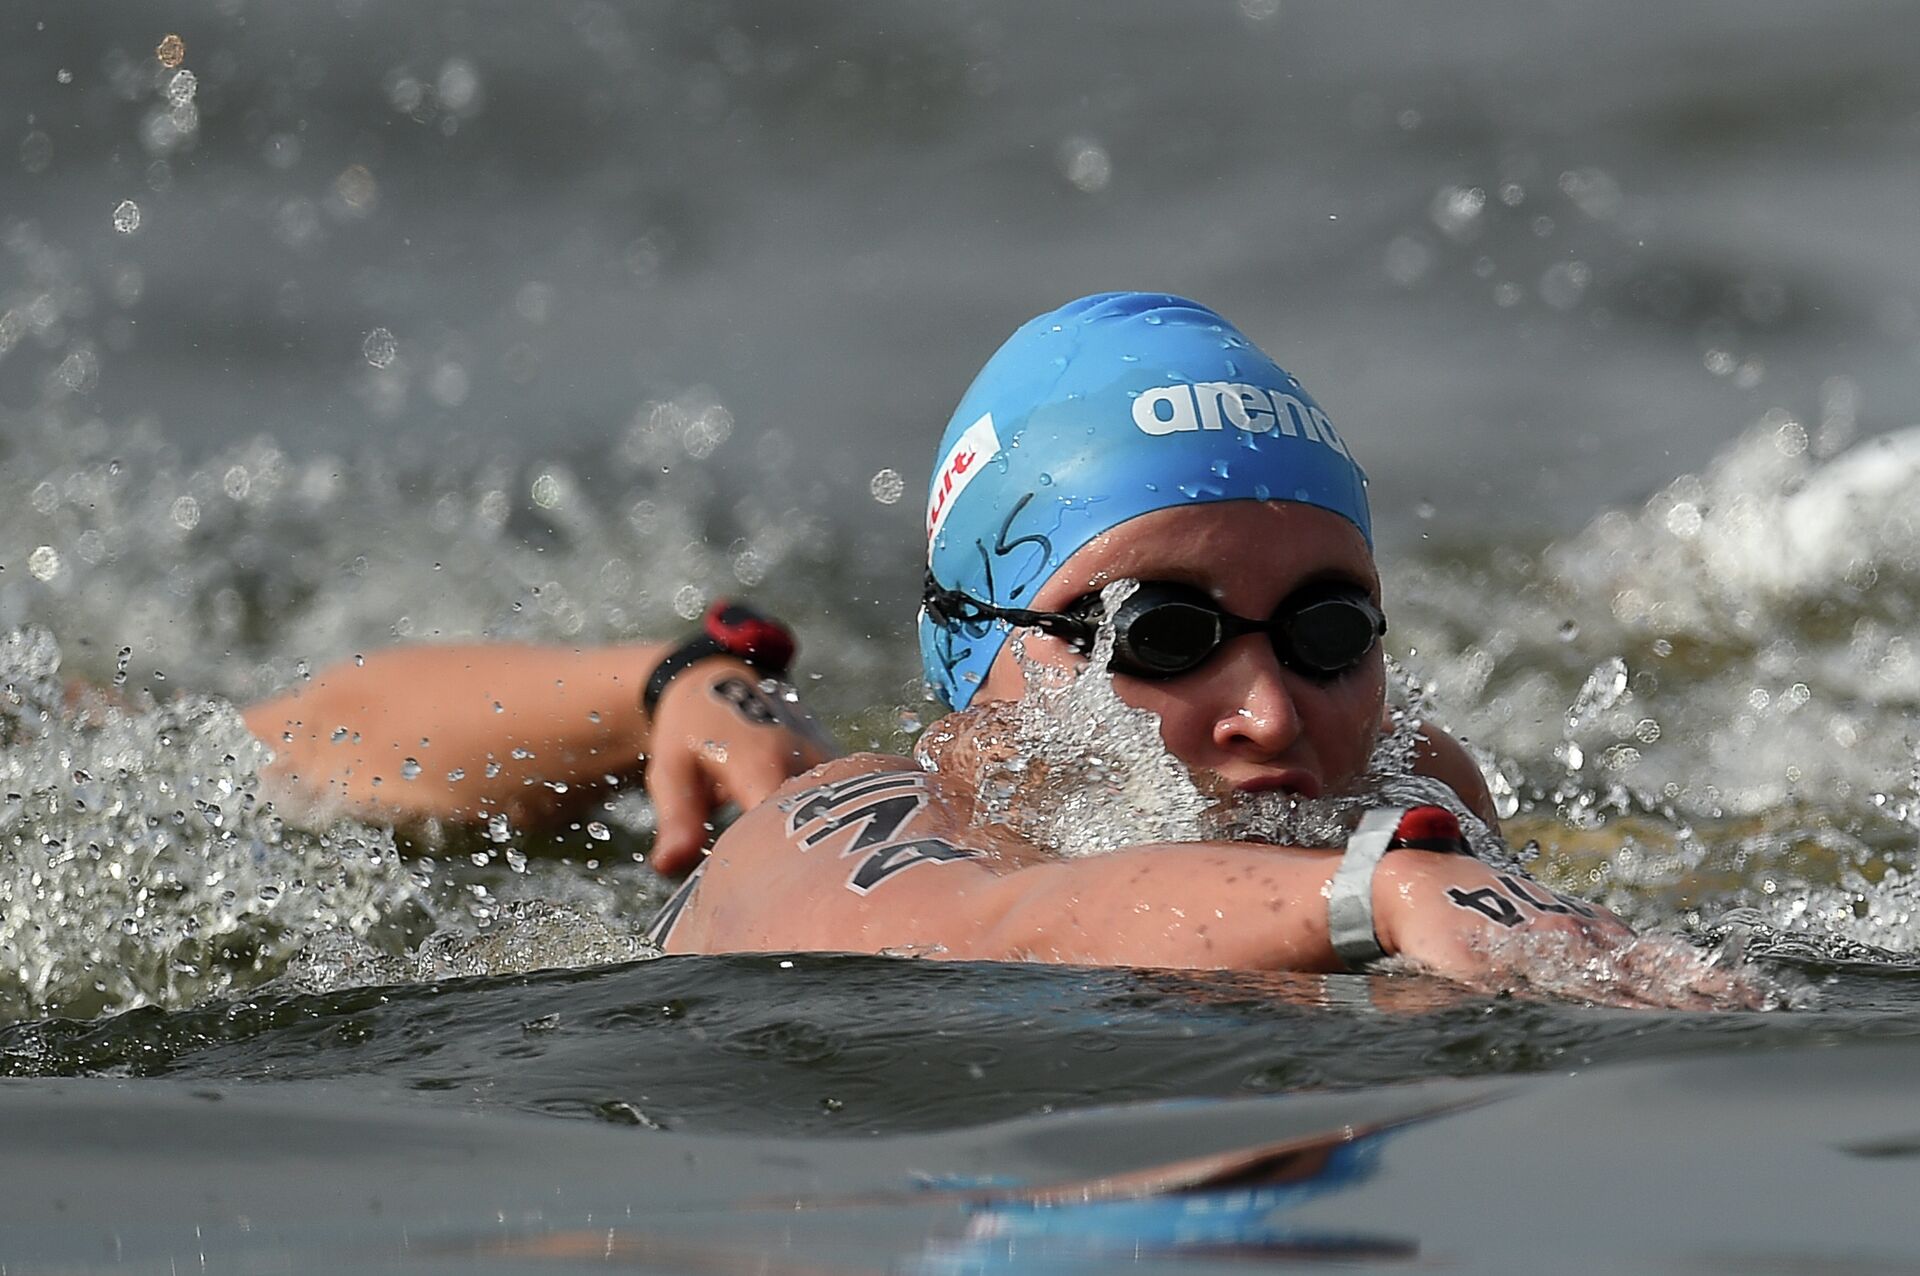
column 380, row 348
column 1155, row 320
column 44, row 563
column 1568, row 631
column 1456, row 210
column 64, row 76
column 339, row 735
column 182, row 87
column 1085, row 164
column 598, row 831
column 887, row 486
column 410, row 769
column 1045, row 479
column 1220, row 469
column 126, row 217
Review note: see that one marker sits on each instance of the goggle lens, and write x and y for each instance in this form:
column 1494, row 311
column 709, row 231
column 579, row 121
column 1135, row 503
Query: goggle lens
column 1162, row 630
column 1330, row 636
column 1170, row 638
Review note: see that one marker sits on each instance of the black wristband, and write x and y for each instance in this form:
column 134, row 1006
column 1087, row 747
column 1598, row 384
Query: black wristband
column 728, row 629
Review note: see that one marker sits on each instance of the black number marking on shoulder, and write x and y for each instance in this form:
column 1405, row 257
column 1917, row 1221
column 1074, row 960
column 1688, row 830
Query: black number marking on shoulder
column 878, row 807
column 900, row 856
column 1489, row 903
column 1554, row 902
column 748, row 701
column 820, row 803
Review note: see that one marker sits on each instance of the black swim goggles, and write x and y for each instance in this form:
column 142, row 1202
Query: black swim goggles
column 1163, row 630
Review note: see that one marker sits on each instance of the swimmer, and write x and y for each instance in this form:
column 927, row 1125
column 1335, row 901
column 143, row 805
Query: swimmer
column 1135, row 437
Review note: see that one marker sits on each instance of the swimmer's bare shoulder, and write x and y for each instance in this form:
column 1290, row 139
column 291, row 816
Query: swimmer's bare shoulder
column 867, row 853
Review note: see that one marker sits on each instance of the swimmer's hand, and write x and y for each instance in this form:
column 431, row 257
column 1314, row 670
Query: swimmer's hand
column 1499, row 932
column 724, row 733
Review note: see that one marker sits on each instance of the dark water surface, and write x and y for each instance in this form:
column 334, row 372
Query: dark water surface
column 831, row 1046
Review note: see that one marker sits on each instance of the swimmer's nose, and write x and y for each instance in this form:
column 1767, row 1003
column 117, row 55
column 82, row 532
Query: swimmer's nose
column 1259, row 715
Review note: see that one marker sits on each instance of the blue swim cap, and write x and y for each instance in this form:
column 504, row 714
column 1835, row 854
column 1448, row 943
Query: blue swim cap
column 1105, row 409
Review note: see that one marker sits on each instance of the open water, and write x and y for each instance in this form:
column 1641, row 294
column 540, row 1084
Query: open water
column 378, row 330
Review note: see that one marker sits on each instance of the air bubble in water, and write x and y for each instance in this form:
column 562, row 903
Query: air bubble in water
column 887, row 486
column 380, row 348
column 126, row 217
column 44, row 563
column 172, row 51
column 182, row 87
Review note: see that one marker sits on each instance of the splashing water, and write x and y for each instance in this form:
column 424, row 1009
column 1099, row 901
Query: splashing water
column 141, row 861
column 1748, row 740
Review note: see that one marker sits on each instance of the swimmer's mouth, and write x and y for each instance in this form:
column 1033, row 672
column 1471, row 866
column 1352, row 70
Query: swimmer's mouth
column 1300, row 784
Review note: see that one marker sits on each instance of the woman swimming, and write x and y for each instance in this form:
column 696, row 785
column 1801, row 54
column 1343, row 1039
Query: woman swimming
column 1139, row 438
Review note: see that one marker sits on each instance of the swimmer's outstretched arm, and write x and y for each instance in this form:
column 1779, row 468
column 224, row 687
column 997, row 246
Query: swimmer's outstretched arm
column 462, row 733
column 870, row 854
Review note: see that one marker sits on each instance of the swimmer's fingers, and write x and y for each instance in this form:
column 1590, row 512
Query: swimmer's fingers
column 683, row 802
column 721, row 734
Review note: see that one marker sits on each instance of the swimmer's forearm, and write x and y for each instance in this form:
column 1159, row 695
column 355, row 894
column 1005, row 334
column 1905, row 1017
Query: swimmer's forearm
column 460, row 732
column 1216, row 905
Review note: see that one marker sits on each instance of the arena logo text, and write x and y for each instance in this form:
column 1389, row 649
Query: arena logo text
column 1214, row 405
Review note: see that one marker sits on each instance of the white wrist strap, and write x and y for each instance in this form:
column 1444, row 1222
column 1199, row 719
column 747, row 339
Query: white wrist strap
column 1350, row 895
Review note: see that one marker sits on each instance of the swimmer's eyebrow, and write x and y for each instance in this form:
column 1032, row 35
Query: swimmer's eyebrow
column 1344, row 577
column 1340, row 576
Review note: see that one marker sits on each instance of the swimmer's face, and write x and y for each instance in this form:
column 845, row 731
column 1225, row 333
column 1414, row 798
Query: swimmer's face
column 1241, row 716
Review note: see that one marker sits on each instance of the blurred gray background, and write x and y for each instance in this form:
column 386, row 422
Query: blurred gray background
column 1534, row 258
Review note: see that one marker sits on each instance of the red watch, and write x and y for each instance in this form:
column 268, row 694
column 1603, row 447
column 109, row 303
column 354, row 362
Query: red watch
column 728, row 629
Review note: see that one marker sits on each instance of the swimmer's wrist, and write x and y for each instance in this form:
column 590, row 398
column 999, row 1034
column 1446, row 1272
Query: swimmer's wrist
column 729, row 630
